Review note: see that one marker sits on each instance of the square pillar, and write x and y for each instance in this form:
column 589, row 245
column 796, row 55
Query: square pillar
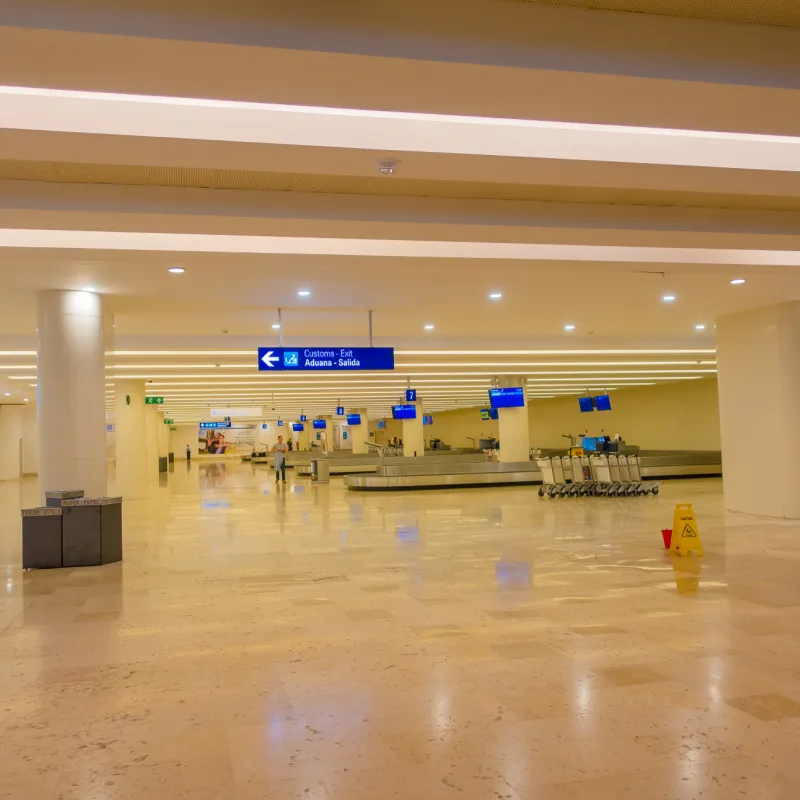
column 758, row 362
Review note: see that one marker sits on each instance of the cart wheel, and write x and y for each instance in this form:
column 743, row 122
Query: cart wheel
column 553, row 491
column 541, row 491
column 655, row 490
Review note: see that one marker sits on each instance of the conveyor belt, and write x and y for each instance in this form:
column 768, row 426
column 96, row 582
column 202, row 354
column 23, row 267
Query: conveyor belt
column 350, row 465
column 655, row 465
column 447, row 476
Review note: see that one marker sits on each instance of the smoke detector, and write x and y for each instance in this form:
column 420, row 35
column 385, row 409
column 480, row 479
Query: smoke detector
column 388, row 166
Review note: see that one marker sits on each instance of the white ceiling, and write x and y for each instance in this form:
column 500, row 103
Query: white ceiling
column 107, row 191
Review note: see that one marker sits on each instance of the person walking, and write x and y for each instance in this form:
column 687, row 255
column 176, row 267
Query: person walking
column 188, row 453
column 279, row 448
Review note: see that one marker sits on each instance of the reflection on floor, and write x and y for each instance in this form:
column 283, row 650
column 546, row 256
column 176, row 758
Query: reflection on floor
column 302, row 642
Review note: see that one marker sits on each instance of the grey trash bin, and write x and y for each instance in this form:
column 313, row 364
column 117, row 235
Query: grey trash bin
column 41, row 538
column 320, row 470
column 92, row 531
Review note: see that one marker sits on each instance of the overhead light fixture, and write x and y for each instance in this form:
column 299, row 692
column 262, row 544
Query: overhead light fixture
column 738, row 281
column 276, row 327
column 569, row 327
column 668, row 298
column 7, row 394
column 26, row 400
column 304, row 293
column 700, row 327
column 177, row 270
column 429, row 327
column 89, row 289
column 495, row 295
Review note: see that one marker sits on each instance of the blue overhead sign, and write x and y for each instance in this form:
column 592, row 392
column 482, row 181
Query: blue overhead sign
column 324, row 359
column 205, row 425
column 411, row 395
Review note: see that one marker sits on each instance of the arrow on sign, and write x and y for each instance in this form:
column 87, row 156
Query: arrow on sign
column 269, row 359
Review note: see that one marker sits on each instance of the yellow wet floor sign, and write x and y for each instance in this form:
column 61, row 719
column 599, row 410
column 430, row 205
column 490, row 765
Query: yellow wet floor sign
column 685, row 533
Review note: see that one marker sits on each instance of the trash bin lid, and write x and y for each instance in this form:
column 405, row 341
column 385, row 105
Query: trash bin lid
column 92, row 501
column 64, row 494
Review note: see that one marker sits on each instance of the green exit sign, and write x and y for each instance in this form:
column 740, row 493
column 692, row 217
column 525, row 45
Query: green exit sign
column 173, row 429
column 154, row 401
column 168, row 421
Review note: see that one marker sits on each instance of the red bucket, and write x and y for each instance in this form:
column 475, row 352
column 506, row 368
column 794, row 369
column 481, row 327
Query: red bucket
column 667, row 536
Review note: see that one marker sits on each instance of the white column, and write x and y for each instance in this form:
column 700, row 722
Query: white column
column 326, row 438
column 413, row 434
column 152, row 418
column 163, row 436
column 513, row 425
column 71, row 392
column 131, row 434
column 759, row 405
column 359, row 434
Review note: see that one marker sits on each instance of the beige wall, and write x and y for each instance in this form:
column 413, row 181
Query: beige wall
column 676, row 416
column 454, row 427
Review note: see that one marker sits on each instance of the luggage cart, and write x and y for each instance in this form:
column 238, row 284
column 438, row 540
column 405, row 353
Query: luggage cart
column 628, row 486
column 571, row 480
column 581, row 476
column 642, row 487
column 553, row 484
column 601, row 474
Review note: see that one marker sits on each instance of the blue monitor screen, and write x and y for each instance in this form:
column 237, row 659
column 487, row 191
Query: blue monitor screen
column 585, row 404
column 602, row 402
column 512, row 397
column 381, row 424
column 319, row 424
column 404, row 412
column 298, row 426
column 354, row 419
column 589, row 443
column 427, row 419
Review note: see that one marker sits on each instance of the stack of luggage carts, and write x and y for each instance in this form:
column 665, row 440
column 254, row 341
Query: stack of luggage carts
column 600, row 475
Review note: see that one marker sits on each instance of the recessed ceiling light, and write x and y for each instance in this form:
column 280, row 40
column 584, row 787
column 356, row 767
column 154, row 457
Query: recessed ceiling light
column 303, row 293
column 89, row 289
column 495, row 295
column 738, row 281
column 700, row 327
column 668, row 298
column 429, row 327
column 7, row 394
column 177, row 270
column 569, row 327
column 26, row 400
column 276, row 327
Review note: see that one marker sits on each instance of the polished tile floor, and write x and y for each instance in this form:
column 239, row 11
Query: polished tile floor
column 263, row 644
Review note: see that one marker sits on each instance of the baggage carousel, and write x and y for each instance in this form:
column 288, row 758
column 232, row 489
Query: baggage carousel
column 426, row 474
column 354, row 464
